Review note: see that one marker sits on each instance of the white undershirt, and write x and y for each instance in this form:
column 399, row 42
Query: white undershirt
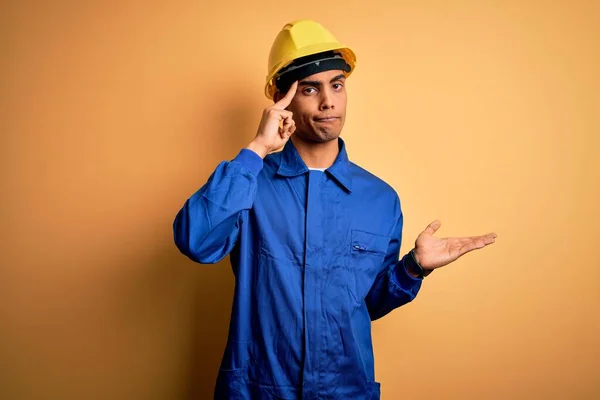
column 317, row 169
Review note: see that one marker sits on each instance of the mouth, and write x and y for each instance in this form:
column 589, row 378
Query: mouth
column 326, row 119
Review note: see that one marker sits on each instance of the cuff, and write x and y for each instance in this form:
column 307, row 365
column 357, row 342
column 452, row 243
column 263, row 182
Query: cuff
column 404, row 278
column 250, row 160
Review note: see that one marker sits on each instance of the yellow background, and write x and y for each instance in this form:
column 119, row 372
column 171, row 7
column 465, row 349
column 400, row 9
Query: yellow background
column 483, row 114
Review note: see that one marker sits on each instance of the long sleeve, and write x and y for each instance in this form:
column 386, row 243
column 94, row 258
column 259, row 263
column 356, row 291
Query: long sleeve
column 207, row 226
column 394, row 286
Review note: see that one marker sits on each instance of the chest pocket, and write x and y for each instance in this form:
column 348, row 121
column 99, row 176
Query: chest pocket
column 367, row 253
column 365, row 243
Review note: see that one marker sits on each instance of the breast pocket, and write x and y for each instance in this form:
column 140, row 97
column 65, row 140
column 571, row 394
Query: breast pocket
column 364, row 243
column 367, row 253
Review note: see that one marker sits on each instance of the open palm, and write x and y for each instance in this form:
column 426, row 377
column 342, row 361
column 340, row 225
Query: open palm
column 432, row 252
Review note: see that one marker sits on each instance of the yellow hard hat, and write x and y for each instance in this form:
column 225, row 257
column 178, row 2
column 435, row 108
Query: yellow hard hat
column 299, row 39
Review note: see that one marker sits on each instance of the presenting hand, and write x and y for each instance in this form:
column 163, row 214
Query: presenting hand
column 431, row 252
column 276, row 125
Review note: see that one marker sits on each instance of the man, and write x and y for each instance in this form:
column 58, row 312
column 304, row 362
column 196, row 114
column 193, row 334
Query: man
column 314, row 238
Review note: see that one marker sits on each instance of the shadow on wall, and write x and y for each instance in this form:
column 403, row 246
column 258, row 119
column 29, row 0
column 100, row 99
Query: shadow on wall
column 236, row 121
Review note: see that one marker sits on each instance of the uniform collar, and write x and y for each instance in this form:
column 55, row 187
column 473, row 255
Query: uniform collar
column 291, row 164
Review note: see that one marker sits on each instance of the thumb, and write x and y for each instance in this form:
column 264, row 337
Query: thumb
column 433, row 227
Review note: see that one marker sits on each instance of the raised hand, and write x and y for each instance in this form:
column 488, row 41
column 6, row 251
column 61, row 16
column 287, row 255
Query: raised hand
column 276, row 126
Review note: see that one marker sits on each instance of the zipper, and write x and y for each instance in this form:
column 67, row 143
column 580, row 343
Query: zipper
column 358, row 247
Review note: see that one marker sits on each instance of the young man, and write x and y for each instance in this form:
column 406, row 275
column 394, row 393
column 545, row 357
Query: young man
column 314, row 238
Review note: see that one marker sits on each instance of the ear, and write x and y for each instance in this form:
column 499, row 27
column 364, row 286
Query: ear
column 277, row 96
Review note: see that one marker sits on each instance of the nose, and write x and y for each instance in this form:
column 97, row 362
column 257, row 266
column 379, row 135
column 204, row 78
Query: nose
column 326, row 100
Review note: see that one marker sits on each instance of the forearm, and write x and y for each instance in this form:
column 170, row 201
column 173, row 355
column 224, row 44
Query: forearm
column 205, row 229
column 393, row 288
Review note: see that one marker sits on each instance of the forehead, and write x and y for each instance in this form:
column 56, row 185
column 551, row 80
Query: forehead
column 324, row 76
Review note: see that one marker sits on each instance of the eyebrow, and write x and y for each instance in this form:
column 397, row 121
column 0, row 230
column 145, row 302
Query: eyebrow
column 319, row 83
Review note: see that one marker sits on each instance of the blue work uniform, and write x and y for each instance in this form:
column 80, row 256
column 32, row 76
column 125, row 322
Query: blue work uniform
column 315, row 258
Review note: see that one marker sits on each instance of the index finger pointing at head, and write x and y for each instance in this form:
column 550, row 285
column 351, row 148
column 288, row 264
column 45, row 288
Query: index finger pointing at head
column 287, row 99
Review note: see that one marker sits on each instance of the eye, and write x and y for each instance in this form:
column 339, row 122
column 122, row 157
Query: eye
column 309, row 90
column 338, row 86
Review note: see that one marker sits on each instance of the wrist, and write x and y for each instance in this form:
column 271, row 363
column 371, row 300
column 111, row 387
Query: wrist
column 410, row 270
column 258, row 148
column 414, row 268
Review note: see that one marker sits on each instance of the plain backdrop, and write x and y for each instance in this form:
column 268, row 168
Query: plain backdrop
column 483, row 114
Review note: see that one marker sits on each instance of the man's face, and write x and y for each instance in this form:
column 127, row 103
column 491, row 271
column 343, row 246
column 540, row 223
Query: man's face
column 319, row 106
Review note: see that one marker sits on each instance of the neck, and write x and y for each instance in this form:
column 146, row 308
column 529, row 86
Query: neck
column 315, row 154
